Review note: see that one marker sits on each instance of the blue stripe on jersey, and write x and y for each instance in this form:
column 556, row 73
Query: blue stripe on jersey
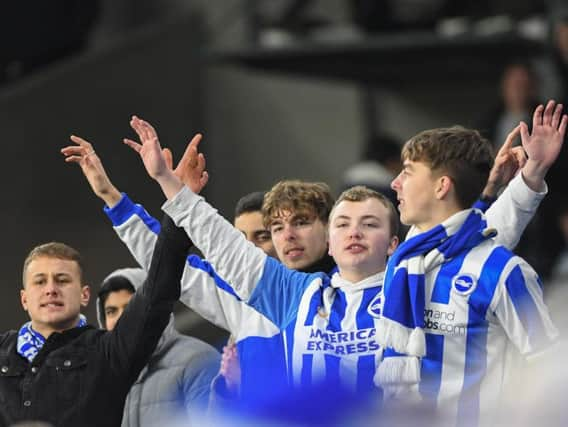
column 443, row 283
column 526, row 309
column 279, row 291
column 306, row 375
column 481, row 297
column 289, row 337
column 477, row 328
column 125, row 208
column 366, row 364
column 196, row 262
column 336, row 316
column 313, row 309
column 431, row 370
column 337, row 311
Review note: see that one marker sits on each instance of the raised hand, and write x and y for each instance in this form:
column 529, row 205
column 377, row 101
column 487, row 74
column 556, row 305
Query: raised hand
column 149, row 147
column 544, row 143
column 191, row 167
column 85, row 156
column 154, row 159
column 508, row 162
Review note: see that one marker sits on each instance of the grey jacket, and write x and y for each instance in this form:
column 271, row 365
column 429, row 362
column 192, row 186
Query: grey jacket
column 176, row 381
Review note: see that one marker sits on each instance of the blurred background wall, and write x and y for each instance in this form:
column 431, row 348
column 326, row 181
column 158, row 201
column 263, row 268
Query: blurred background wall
column 86, row 66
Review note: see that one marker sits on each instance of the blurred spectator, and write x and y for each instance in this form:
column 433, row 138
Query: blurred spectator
column 379, row 165
column 517, row 101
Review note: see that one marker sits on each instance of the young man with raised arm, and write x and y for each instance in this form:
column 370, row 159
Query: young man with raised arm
column 458, row 306
column 60, row 370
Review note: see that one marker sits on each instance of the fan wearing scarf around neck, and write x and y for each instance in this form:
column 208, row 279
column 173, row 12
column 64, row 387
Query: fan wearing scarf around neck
column 455, row 300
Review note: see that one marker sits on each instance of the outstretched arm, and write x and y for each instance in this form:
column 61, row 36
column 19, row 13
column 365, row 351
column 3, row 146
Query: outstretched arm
column 513, row 210
column 260, row 281
column 137, row 332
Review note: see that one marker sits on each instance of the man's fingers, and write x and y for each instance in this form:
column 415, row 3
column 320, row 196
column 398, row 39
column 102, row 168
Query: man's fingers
column 201, row 162
column 556, row 116
column 548, row 112
column 520, row 157
column 562, row 127
column 80, row 141
column 191, row 148
column 137, row 127
column 525, row 131
column 73, row 150
column 73, row 159
column 537, row 116
column 148, row 129
column 509, row 141
column 204, row 179
column 196, row 140
column 168, row 157
column 132, row 144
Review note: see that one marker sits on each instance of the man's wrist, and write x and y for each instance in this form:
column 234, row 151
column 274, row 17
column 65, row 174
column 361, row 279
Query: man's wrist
column 490, row 191
column 111, row 197
column 533, row 175
column 170, row 184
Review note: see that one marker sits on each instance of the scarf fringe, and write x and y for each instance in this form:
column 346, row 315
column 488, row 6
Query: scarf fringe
column 403, row 340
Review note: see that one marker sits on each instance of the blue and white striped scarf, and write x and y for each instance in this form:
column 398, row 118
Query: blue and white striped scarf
column 401, row 328
column 30, row 342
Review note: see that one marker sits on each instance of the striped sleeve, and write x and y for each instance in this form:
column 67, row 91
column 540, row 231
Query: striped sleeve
column 521, row 310
column 259, row 280
column 203, row 290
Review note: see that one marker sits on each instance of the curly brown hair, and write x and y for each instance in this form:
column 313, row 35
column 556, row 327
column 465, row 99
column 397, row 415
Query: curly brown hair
column 462, row 154
column 311, row 198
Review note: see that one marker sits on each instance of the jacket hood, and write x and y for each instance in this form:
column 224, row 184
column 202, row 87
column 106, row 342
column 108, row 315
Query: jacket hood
column 134, row 276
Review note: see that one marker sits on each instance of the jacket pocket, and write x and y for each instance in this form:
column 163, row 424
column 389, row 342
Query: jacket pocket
column 11, row 376
column 69, row 372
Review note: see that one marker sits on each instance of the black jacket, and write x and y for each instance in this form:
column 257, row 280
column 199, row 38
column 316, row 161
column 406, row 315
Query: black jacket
column 81, row 377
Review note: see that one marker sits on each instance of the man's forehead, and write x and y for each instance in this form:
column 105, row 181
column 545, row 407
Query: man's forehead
column 118, row 296
column 371, row 207
column 44, row 264
column 287, row 215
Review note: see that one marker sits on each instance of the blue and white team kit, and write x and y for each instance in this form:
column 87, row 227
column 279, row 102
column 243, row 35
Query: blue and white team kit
column 304, row 328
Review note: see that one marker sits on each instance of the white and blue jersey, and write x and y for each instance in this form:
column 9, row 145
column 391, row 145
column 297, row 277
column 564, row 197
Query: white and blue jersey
column 308, row 327
column 298, row 328
column 483, row 309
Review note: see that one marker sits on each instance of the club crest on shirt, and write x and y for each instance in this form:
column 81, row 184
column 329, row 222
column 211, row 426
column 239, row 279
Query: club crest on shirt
column 375, row 306
column 464, row 284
